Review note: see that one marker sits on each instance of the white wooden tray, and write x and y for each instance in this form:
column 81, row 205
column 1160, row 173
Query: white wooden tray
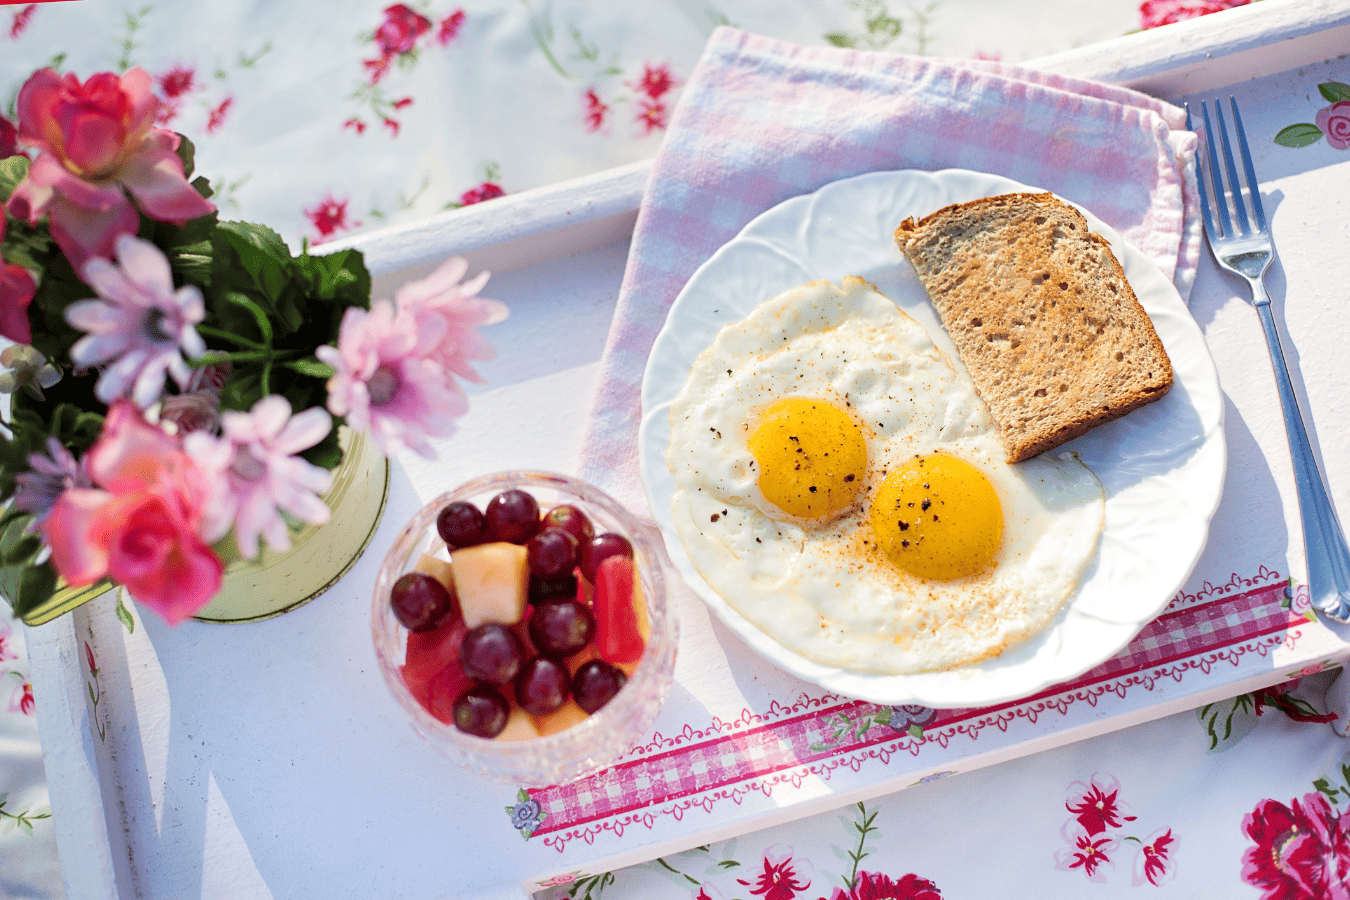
column 266, row 760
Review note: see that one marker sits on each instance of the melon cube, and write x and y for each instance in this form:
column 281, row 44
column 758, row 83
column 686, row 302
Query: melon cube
column 561, row 719
column 492, row 581
column 519, row 726
column 437, row 568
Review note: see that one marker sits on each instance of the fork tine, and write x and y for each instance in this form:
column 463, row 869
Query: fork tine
column 1247, row 166
column 1216, row 174
column 1204, row 189
column 1234, row 184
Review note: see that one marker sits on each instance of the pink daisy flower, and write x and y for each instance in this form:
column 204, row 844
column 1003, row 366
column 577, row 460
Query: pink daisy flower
column 140, row 327
column 446, row 312
column 258, row 476
column 385, row 384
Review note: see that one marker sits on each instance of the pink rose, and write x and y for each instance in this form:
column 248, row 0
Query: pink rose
column 97, row 144
column 9, row 139
column 16, row 292
column 1334, row 121
column 139, row 526
column 1166, row 12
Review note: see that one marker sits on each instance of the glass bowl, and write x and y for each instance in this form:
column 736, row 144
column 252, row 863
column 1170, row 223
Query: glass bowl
column 596, row 741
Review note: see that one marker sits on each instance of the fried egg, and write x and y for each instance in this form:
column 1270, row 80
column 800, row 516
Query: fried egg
column 841, row 485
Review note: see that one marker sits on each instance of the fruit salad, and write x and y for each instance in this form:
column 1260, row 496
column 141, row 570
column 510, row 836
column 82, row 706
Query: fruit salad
column 524, row 620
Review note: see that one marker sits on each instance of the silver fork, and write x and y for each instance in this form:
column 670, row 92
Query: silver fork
column 1247, row 250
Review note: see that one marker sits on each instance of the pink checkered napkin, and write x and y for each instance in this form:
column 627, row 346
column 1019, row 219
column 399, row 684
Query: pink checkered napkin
column 761, row 121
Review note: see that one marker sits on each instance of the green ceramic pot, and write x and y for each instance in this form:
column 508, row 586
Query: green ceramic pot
column 275, row 583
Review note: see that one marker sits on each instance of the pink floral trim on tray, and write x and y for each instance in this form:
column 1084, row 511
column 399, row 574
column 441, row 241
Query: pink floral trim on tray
column 814, row 737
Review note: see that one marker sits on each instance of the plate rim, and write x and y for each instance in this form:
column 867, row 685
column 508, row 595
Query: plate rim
column 899, row 689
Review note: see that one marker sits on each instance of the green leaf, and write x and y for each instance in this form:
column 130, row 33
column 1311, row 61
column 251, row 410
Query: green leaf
column 253, row 309
column 311, row 367
column 1299, row 135
column 13, row 170
column 1334, row 91
column 262, row 254
column 839, row 39
column 35, row 588
column 188, row 154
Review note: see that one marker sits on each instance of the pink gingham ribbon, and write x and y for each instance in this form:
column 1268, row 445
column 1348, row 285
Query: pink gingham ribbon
column 761, row 121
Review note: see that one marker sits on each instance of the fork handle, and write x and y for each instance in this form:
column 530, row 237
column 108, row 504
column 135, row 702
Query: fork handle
column 1323, row 539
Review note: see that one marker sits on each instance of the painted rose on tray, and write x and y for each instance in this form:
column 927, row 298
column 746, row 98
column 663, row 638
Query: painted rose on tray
column 1301, row 851
column 1331, row 122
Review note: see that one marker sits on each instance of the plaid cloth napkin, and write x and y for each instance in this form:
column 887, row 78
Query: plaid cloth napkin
column 761, row 121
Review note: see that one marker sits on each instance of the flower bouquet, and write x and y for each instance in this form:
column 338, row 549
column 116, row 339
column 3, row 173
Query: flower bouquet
column 175, row 382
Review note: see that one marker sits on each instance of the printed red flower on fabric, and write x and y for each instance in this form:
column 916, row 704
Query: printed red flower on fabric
column 651, row 116
column 21, row 20
column 1166, row 12
column 488, row 190
column 7, row 650
column 1301, row 852
column 396, row 36
column 875, row 886
column 329, row 216
column 596, row 110
column 449, row 27
column 656, row 81
column 778, row 881
column 1154, row 863
column 1095, row 805
column 89, row 659
column 216, row 118
column 22, row 701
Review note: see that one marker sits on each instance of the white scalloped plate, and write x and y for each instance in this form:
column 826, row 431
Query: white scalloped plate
column 1162, row 466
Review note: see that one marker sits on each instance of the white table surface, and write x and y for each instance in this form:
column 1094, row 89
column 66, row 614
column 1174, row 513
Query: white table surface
column 549, row 363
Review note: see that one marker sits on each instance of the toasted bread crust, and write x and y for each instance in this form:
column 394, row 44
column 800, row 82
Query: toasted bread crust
column 1041, row 313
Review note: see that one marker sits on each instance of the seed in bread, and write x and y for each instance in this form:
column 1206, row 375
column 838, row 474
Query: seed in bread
column 1042, row 316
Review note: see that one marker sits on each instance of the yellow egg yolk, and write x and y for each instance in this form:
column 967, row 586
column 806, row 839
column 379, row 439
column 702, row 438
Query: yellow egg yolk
column 811, row 457
column 938, row 518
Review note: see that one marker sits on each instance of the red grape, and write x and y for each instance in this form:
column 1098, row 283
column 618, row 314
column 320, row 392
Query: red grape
column 512, row 516
column 595, row 684
column 601, row 547
column 571, row 520
column 481, row 711
column 545, row 590
column 551, row 553
column 420, row 602
column 492, row 653
column 541, row 686
column 561, row 627
column 460, row 524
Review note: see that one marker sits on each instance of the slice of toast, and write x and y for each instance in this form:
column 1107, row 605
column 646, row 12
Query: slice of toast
column 1042, row 316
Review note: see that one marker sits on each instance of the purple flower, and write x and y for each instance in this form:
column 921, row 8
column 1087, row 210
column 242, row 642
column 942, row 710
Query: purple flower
column 257, row 475
column 140, row 327
column 47, row 478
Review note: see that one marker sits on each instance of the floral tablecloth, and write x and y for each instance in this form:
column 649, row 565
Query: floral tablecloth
column 328, row 119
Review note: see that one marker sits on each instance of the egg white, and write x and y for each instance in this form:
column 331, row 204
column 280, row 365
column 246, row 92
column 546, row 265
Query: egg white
column 821, row 588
